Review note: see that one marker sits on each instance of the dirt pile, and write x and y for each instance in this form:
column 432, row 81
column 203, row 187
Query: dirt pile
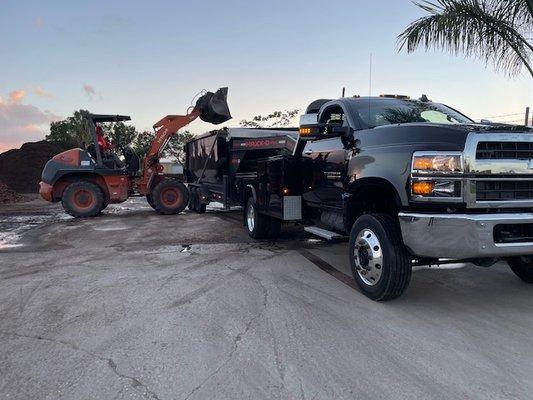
column 20, row 169
column 8, row 195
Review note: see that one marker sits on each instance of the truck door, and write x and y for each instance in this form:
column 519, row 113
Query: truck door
column 328, row 159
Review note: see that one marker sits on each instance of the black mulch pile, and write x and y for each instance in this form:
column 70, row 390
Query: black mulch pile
column 20, row 169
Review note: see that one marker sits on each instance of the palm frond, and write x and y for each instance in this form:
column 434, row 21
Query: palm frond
column 492, row 30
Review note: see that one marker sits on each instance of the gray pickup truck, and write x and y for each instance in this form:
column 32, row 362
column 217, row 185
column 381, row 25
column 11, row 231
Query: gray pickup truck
column 412, row 182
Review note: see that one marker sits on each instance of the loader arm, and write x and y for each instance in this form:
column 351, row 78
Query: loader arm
column 211, row 107
column 165, row 129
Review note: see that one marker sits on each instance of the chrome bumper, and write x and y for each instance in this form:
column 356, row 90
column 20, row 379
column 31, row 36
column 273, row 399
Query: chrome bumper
column 460, row 236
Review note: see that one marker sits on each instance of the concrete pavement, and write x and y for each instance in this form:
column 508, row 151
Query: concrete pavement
column 133, row 305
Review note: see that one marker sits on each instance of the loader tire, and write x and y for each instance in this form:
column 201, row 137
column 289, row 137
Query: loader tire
column 83, row 199
column 170, row 196
column 380, row 263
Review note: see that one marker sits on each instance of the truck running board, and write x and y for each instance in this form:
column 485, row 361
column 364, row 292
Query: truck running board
column 324, row 233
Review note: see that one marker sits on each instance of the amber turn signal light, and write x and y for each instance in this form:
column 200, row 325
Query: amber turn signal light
column 422, row 188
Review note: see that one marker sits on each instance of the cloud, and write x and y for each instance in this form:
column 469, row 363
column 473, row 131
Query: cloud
column 89, row 90
column 38, row 22
column 39, row 91
column 16, row 96
column 20, row 123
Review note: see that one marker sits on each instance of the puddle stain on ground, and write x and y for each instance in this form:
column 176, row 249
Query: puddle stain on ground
column 12, row 227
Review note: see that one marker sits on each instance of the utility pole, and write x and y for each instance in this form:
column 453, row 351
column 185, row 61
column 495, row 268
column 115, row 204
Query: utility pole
column 527, row 117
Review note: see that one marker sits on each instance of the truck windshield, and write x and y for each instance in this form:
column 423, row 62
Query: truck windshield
column 378, row 112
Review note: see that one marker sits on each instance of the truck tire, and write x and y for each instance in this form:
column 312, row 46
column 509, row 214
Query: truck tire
column 380, row 263
column 192, row 199
column 150, row 200
column 256, row 224
column 194, row 202
column 83, row 199
column 199, row 206
column 522, row 267
column 170, row 196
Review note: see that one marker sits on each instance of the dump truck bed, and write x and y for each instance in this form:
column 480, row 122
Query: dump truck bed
column 220, row 162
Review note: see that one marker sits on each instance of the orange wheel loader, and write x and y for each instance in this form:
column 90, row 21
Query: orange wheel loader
column 87, row 180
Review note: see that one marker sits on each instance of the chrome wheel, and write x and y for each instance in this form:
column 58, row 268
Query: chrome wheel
column 250, row 217
column 368, row 257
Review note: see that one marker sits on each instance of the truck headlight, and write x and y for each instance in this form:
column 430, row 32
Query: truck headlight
column 437, row 162
column 437, row 176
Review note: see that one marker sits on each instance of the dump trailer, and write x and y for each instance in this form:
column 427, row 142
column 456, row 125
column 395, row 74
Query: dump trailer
column 220, row 165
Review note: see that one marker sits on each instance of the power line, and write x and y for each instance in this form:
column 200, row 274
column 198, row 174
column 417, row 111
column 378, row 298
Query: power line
column 502, row 116
column 510, row 122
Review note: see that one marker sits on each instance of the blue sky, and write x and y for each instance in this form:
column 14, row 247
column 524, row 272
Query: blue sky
column 148, row 59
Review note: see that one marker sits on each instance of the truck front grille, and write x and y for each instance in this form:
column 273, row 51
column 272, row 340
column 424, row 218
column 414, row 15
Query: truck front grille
column 504, row 151
column 504, row 190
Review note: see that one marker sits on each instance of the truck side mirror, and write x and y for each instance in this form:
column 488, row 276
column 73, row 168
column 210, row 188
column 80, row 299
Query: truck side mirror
column 345, row 133
column 336, row 130
column 312, row 131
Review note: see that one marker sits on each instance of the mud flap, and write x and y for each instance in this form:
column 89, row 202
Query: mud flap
column 214, row 107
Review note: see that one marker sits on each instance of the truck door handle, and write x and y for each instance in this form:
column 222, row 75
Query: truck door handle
column 308, row 152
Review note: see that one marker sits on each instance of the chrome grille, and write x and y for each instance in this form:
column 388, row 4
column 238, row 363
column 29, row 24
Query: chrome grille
column 499, row 170
column 504, row 151
column 504, row 190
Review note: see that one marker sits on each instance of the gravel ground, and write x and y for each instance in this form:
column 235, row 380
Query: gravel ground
column 133, row 305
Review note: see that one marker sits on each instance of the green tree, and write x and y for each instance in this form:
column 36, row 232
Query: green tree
column 142, row 142
column 176, row 145
column 496, row 31
column 120, row 134
column 70, row 132
column 272, row 120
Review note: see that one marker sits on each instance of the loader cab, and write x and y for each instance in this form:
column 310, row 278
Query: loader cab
column 110, row 160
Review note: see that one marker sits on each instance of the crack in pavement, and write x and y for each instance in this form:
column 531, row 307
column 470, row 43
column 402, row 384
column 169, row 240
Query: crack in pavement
column 216, row 281
column 237, row 339
column 135, row 383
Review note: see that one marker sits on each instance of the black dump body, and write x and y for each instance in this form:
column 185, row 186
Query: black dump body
column 222, row 162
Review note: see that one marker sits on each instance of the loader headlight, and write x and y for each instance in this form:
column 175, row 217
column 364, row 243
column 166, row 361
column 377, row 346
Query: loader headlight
column 437, row 162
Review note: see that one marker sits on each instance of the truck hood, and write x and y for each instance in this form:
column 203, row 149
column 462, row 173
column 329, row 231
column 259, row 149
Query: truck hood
column 429, row 136
column 467, row 128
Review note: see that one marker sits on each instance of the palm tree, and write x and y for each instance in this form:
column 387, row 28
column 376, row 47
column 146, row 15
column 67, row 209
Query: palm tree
column 499, row 32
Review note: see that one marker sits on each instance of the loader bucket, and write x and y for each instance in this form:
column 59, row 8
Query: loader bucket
column 214, row 107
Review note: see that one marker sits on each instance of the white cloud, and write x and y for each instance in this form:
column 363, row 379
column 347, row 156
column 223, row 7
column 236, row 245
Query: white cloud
column 16, row 96
column 20, row 123
column 38, row 22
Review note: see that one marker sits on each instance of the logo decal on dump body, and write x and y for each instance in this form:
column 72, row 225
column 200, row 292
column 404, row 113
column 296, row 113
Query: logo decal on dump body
column 258, row 143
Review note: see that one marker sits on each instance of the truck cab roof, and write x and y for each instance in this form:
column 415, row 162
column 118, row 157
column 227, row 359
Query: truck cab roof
column 371, row 112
